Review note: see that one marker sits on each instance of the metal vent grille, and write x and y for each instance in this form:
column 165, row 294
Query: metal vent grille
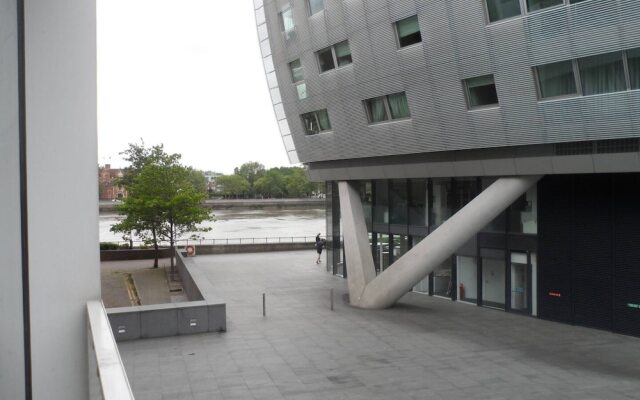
column 618, row 146
column 574, row 148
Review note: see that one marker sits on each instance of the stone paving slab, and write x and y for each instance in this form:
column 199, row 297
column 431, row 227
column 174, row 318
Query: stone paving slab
column 423, row 348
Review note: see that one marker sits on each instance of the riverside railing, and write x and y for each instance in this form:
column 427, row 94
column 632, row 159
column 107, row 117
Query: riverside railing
column 225, row 241
column 107, row 376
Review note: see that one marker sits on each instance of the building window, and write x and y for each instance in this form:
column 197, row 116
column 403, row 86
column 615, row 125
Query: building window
column 383, row 108
column 481, row 91
column 316, row 122
column 339, row 54
column 315, row 6
column 602, row 74
column 297, row 77
column 286, row 20
column 535, row 5
column 557, row 79
column 408, row 31
column 633, row 61
column 502, row 9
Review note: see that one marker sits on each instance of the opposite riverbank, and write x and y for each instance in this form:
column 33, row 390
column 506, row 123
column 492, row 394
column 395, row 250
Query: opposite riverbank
column 251, row 204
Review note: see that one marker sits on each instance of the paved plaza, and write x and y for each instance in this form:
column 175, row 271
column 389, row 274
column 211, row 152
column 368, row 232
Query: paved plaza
column 423, row 348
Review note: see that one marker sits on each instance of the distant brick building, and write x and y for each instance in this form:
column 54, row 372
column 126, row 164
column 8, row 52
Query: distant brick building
column 108, row 189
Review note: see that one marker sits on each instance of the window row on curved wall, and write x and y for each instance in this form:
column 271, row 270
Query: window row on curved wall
column 600, row 74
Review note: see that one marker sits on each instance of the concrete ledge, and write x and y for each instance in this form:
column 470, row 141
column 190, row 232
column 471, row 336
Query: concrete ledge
column 200, row 314
column 132, row 254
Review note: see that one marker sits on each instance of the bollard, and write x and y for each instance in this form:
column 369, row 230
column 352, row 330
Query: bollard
column 264, row 306
column 331, row 294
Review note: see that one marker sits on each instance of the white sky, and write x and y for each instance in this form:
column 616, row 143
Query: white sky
column 186, row 73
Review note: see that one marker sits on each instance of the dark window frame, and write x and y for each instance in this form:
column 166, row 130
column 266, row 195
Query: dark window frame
column 389, row 115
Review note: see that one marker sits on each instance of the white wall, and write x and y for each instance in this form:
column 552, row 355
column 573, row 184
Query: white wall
column 62, row 190
column 11, row 328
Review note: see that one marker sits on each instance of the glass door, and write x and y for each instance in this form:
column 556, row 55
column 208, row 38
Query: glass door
column 493, row 278
column 520, row 288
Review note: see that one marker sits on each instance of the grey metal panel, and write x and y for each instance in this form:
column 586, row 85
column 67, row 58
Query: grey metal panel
column 573, row 164
column 457, row 44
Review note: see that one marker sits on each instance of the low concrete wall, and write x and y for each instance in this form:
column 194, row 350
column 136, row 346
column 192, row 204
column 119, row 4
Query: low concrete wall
column 132, row 254
column 253, row 248
column 149, row 254
column 202, row 313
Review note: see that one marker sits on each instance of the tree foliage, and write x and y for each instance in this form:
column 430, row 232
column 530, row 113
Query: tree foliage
column 233, row 185
column 275, row 182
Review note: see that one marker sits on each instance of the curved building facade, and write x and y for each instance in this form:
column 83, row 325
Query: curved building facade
column 421, row 105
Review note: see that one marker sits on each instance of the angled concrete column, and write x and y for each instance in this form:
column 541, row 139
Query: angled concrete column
column 357, row 250
column 411, row 268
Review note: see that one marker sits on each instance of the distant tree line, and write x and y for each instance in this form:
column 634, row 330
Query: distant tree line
column 252, row 180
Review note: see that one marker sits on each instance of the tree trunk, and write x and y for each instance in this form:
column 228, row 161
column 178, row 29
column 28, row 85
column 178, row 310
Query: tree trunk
column 155, row 246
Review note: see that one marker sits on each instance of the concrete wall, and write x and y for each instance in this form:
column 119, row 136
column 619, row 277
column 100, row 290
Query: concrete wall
column 11, row 329
column 457, row 43
column 134, row 254
column 61, row 146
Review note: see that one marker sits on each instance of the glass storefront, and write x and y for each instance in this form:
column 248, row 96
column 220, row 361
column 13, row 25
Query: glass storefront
column 442, row 285
column 519, row 282
column 400, row 246
column 382, row 259
column 523, row 213
column 381, row 202
column 418, row 203
column 398, row 204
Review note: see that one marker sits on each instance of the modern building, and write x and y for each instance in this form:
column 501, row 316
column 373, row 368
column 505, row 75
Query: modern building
column 485, row 151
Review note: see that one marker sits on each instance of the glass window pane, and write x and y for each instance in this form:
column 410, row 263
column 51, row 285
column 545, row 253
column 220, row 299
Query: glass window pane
column 382, row 258
column 408, row 31
column 377, row 111
column 400, row 246
column 366, row 195
column 556, row 79
column 302, row 91
column 467, row 279
column 381, row 205
column 315, row 6
column 310, row 123
column 323, row 120
column 398, row 105
column 481, row 91
column 286, row 20
column 297, row 72
column 633, row 58
column 398, row 194
column 325, row 58
column 523, row 213
column 499, row 222
column 501, row 9
column 466, row 190
column 442, row 200
column 534, row 5
column 343, row 53
column 602, row 74
column 418, row 203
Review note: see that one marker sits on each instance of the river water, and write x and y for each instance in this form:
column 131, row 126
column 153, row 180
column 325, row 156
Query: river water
column 244, row 223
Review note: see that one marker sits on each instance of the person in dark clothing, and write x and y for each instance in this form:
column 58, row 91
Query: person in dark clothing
column 319, row 246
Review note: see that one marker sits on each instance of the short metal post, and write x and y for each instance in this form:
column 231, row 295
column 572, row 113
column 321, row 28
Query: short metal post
column 264, row 305
column 331, row 294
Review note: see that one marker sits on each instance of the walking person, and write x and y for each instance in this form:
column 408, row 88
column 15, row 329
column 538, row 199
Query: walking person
column 319, row 246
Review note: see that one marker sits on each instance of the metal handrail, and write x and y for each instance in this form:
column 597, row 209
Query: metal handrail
column 227, row 241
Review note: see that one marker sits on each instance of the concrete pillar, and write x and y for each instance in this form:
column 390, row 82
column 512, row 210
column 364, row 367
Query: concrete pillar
column 58, row 176
column 356, row 243
column 411, row 268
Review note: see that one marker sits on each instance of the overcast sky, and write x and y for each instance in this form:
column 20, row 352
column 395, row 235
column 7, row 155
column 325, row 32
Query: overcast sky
column 186, row 73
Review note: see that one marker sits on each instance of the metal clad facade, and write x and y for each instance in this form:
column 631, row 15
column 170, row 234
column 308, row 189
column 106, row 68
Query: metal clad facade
column 457, row 43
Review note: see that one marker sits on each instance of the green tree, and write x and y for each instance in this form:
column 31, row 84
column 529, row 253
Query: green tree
column 233, row 185
column 163, row 204
column 297, row 184
column 251, row 171
column 271, row 184
column 139, row 156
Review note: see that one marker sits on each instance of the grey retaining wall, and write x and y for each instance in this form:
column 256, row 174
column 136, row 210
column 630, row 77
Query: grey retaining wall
column 203, row 313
